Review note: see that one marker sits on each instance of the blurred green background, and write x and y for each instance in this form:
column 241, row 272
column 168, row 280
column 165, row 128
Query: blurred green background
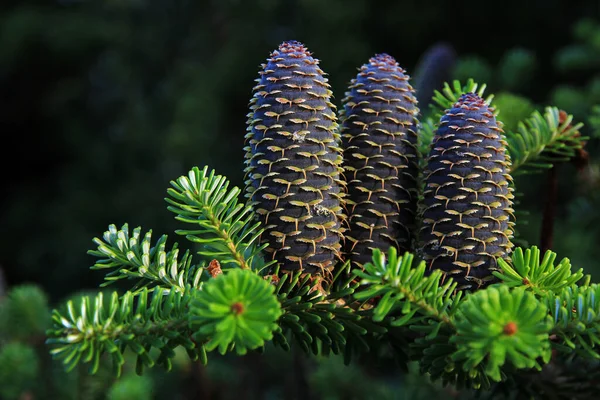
column 104, row 102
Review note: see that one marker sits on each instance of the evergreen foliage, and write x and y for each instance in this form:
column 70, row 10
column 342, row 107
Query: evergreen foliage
column 252, row 284
column 131, row 387
column 237, row 309
column 28, row 372
column 540, row 276
column 517, row 68
column 543, row 140
column 512, row 109
column 497, row 326
column 24, row 314
column 222, row 224
column 132, row 258
column 19, row 370
column 576, row 320
column 139, row 323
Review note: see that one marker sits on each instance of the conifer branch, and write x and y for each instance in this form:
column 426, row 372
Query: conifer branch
column 156, row 319
column 225, row 228
column 405, row 289
column 576, row 314
column 469, row 339
column 323, row 323
column 235, row 310
column 543, row 140
column 131, row 257
column 540, row 276
column 499, row 325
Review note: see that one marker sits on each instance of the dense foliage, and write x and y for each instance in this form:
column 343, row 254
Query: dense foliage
column 119, row 98
column 242, row 291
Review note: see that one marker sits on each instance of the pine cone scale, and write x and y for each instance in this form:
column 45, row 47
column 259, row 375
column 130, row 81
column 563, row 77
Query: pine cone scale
column 467, row 205
column 293, row 162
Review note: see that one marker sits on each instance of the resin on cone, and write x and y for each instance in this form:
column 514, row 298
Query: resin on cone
column 467, row 215
column 293, row 162
column 380, row 159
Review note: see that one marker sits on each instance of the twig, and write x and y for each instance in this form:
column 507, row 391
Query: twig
column 547, row 234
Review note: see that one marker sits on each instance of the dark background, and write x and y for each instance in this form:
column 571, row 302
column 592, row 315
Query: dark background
column 104, row 102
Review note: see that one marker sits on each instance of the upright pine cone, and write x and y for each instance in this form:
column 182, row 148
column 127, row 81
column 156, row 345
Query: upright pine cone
column 433, row 69
column 293, row 161
column 380, row 159
column 467, row 210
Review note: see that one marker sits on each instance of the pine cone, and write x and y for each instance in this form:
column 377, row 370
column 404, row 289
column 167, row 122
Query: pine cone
column 433, row 69
column 467, row 207
column 293, row 162
column 380, row 159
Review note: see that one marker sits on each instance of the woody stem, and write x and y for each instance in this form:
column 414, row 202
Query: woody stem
column 547, row 233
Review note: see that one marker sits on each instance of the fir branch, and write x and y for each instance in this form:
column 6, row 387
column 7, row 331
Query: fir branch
column 543, row 140
column 158, row 319
column 131, row 257
column 405, row 289
column 322, row 323
column 576, row 314
column 225, row 228
column 405, row 297
column 499, row 325
column 434, row 355
column 235, row 309
column 539, row 276
column 496, row 331
column 464, row 341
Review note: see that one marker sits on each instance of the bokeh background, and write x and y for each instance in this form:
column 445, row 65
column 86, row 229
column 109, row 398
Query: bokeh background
column 104, row 102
